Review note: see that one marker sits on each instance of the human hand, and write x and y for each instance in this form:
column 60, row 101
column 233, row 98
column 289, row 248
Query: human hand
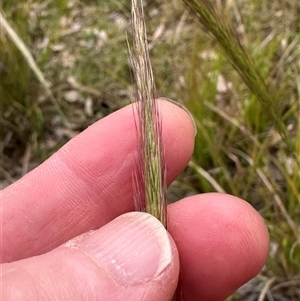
column 221, row 240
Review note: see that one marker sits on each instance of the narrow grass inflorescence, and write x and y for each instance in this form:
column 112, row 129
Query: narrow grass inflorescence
column 229, row 42
column 150, row 181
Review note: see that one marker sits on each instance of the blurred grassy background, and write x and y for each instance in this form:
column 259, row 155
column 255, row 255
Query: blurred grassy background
column 80, row 48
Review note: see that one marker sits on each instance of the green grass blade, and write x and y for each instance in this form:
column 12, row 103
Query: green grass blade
column 31, row 62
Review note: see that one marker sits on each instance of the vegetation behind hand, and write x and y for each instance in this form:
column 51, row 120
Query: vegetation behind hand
column 80, row 47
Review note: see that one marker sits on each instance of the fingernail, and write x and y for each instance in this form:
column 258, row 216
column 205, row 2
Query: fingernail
column 133, row 249
column 185, row 109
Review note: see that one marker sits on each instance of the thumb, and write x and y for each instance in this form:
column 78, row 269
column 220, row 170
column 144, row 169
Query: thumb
column 131, row 258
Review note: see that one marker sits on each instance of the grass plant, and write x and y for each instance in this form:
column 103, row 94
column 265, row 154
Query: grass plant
column 29, row 60
column 229, row 41
column 237, row 71
column 150, row 181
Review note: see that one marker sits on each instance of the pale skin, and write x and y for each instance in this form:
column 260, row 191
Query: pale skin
column 220, row 240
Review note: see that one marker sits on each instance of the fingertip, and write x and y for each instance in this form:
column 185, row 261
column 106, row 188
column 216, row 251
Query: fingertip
column 188, row 114
column 178, row 133
column 222, row 241
column 131, row 258
column 134, row 249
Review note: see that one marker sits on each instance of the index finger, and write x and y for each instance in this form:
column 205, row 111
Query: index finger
column 87, row 183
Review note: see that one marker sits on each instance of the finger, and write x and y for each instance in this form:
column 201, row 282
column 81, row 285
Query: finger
column 86, row 183
column 131, row 258
column 222, row 241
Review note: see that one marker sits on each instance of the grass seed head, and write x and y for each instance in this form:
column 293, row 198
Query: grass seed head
column 150, row 184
